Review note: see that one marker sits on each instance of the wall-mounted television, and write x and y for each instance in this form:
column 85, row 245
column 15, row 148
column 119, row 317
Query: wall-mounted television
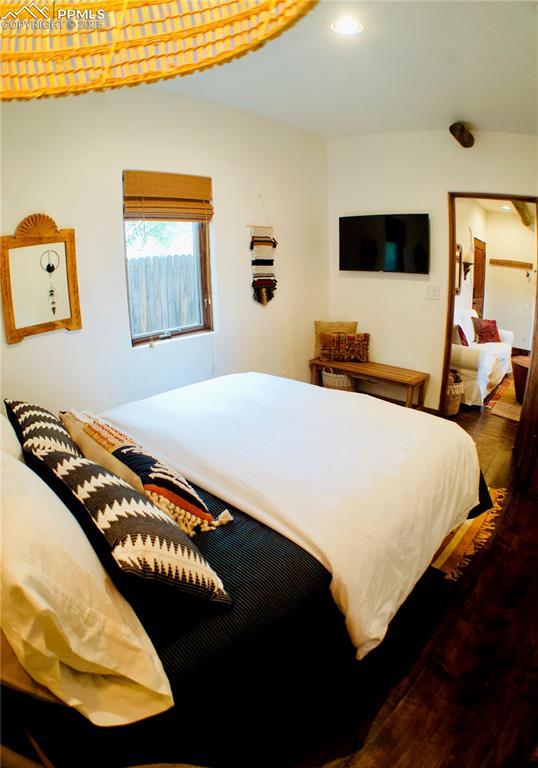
column 388, row 243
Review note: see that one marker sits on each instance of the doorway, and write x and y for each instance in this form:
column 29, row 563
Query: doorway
column 493, row 290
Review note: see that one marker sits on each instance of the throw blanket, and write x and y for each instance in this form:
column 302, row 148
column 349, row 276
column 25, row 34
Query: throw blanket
column 369, row 488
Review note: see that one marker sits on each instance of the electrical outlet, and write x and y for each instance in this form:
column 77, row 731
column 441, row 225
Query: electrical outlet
column 432, row 292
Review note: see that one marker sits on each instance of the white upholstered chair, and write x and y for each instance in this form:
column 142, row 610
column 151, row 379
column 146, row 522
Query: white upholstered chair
column 482, row 366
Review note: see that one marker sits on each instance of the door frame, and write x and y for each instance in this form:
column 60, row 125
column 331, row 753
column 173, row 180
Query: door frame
column 452, row 197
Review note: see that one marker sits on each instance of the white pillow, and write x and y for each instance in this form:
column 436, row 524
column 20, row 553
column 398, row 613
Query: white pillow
column 8, row 439
column 68, row 625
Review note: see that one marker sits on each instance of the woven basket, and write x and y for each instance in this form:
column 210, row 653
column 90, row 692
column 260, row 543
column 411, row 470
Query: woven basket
column 333, row 380
column 454, row 391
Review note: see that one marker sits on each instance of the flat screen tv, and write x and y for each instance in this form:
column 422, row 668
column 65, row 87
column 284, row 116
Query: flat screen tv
column 388, row 243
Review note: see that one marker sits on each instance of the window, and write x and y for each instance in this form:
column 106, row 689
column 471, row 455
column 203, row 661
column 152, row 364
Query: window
column 166, row 221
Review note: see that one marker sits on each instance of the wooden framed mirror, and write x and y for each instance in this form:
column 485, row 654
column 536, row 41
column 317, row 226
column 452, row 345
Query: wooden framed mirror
column 39, row 279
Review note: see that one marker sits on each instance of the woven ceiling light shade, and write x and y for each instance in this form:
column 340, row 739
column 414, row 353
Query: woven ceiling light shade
column 56, row 49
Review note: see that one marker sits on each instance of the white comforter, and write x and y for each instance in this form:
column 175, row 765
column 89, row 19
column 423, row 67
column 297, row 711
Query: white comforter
column 369, row 488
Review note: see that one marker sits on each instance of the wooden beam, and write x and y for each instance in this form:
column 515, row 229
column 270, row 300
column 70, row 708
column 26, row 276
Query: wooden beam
column 523, row 211
column 462, row 134
column 527, row 265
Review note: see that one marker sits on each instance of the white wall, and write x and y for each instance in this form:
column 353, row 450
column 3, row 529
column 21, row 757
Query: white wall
column 64, row 157
column 510, row 294
column 412, row 173
column 470, row 218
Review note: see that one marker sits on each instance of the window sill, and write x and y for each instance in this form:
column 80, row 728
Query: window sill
column 149, row 342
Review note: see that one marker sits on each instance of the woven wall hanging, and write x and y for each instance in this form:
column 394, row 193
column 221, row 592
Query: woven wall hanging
column 262, row 256
column 262, row 245
column 61, row 48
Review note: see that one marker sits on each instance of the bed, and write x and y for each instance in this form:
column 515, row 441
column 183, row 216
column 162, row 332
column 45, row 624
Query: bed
column 368, row 488
column 339, row 503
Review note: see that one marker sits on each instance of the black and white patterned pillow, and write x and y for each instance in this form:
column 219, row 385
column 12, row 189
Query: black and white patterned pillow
column 39, row 430
column 138, row 543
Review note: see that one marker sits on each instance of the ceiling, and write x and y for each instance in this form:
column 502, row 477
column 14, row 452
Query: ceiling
column 416, row 66
column 495, row 206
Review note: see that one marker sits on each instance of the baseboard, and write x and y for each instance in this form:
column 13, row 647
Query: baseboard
column 433, row 411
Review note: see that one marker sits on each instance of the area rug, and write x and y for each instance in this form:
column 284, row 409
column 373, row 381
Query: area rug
column 502, row 401
column 457, row 550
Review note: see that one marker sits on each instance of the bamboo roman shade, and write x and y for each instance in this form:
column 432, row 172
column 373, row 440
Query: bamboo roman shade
column 61, row 48
column 166, row 196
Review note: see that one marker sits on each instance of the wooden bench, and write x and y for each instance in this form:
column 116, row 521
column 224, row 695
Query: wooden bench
column 376, row 372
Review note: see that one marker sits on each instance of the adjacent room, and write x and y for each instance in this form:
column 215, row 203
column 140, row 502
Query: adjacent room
column 269, row 384
column 495, row 276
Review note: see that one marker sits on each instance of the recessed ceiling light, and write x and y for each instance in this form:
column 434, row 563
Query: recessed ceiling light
column 346, row 25
column 506, row 207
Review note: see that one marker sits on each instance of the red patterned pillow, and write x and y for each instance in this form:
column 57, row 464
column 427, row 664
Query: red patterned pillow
column 485, row 330
column 345, row 347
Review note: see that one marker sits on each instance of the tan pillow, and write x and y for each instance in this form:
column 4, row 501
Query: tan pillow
column 336, row 326
column 164, row 486
column 79, row 426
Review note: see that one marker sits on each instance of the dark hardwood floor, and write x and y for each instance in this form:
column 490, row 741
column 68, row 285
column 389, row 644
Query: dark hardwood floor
column 470, row 700
column 494, row 438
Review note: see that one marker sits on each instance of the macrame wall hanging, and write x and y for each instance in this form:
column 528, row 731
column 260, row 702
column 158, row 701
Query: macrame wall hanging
column 49, row 263
column 262, row 246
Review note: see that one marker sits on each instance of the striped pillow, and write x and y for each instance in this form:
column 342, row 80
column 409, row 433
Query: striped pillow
column 138, row 544
column 166, row 487
column 39, row 430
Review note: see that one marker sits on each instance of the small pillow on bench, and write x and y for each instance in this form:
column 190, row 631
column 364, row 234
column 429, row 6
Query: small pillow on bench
column 345, row 347
column 166, row 487
column 333, row 326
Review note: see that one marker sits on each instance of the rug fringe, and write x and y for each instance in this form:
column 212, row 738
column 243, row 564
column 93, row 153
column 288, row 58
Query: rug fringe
column 481, row 538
